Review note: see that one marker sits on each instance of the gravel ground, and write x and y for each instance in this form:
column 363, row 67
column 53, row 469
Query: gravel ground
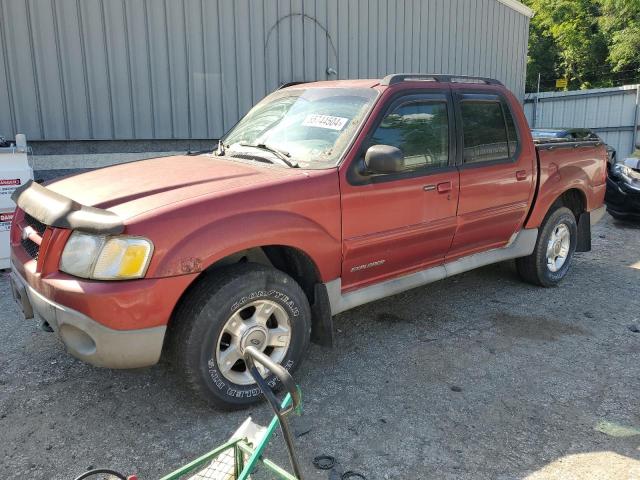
column 479, row 376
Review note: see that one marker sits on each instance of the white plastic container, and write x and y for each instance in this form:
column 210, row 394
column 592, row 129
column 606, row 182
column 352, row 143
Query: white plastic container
column 14, row 172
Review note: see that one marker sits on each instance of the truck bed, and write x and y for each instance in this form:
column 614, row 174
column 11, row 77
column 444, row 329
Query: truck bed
column 562, row 163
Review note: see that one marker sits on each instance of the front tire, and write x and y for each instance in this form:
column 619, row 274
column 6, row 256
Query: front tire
column 551, row 259
column 228, row 310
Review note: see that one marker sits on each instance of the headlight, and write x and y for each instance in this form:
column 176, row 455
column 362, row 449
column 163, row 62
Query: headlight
column 80, row 253
column 106, row 258
column 629, row 175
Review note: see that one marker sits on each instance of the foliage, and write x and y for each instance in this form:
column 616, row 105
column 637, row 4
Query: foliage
column 620, row 22
column 591, row 43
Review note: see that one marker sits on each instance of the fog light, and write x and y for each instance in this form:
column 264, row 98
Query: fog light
column 77, row 340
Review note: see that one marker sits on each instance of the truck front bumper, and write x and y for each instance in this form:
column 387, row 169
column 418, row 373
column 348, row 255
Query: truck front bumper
column 622, row 200
column 87, row 339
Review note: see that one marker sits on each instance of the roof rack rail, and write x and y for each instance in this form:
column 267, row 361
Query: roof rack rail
column 429, row 77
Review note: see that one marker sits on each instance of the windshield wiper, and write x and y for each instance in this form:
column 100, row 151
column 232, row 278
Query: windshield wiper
column 280, row 154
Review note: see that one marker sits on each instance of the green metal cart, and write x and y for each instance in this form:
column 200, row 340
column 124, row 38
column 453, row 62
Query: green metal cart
column 243, row 453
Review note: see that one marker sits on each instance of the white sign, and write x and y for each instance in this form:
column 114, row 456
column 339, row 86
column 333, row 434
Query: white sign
column 325, row 121
column 7, row 187
column 14, row 172
column 5, row 221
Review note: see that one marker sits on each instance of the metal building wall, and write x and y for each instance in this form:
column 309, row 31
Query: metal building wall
column 613, row 113
column 162, row 69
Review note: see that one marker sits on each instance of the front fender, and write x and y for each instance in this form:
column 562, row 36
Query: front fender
column 214, row 241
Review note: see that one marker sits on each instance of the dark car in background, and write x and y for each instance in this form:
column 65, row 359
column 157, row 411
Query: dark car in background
column 577, row 134
column 623, row 189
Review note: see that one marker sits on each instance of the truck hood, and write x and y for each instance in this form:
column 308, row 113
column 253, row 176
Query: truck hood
column 131, row 189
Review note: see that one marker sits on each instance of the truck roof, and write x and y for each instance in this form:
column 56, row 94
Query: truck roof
column 396, row 78
column 357, row 83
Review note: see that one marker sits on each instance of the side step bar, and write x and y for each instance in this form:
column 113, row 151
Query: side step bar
column 521, row 245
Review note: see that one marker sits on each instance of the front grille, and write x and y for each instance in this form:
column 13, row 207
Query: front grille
column 32, row 248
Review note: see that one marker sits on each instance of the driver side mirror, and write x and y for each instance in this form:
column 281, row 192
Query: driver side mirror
column 384, row 159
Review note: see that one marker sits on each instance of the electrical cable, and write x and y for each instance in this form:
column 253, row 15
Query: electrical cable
column 96, row 471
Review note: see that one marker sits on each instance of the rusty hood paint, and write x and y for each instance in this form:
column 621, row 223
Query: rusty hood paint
column 134, row 188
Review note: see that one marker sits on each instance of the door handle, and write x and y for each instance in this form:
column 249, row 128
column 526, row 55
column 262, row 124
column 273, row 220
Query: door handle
column 521, row 175
column 429, row 188
column 444, row 187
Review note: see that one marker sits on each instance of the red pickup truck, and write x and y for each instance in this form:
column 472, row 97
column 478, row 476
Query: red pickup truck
column 325, row 196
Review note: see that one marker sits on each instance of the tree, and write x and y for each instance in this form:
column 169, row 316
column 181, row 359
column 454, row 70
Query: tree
column 543, row 58
column 620, row 22
column 591, row 43
column 571, row 26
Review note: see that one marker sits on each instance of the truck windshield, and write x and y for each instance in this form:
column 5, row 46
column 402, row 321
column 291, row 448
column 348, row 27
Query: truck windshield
column 312, row 126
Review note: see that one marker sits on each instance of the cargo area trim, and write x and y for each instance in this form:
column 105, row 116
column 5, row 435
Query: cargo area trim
column 59, row 211
column 552, row 144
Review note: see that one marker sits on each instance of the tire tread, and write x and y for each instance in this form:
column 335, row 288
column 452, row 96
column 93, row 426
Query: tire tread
column 179, row 341
column 532, row 268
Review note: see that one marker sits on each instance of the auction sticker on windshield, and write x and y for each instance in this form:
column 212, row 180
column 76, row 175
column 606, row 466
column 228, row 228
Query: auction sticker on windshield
column 325, row 121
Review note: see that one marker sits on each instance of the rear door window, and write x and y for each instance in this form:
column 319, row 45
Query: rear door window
column 489, row 132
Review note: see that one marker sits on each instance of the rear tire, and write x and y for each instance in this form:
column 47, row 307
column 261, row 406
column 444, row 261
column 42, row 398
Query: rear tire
column 551, row 259
column 227, row 310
